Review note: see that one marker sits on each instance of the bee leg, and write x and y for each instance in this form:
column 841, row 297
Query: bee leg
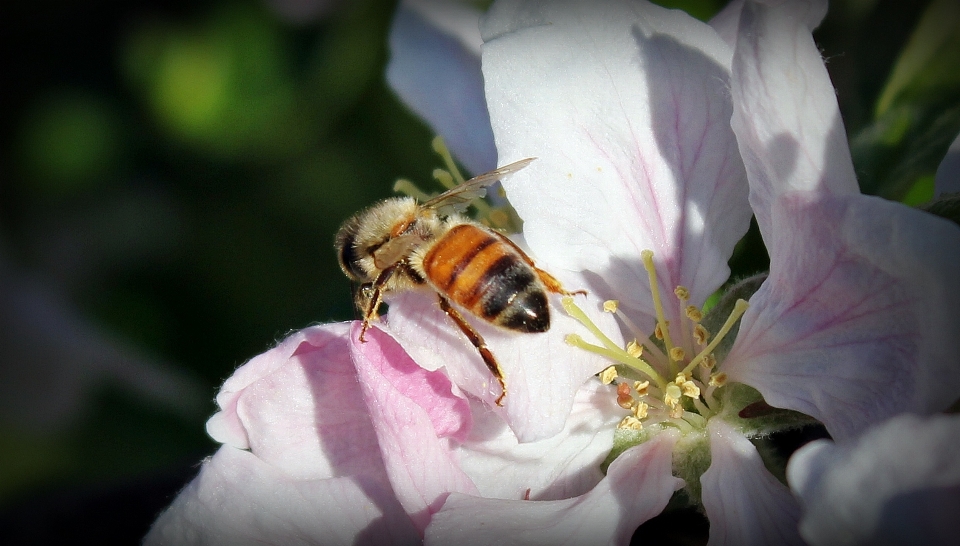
column 374, row 299
column 477, row 340
column 551, row 283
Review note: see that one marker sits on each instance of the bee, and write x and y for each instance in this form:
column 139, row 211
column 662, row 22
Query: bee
column 400, row 244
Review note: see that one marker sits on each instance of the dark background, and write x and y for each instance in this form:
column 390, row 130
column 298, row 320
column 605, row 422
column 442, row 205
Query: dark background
column 172, row 175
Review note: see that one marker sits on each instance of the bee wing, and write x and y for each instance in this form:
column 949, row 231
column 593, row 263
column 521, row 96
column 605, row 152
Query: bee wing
column 458, row 198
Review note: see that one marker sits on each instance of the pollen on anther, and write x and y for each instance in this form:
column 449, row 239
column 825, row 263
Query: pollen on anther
column 608, row 375
column 708, row 362
column 658, row 333
column 611, row 306
column 682, row 293
column 634, row 349
column 640, row 410
column 672, row 395
column 693, row 313
column 630, row 423
column 641, row 387
column 677, row 354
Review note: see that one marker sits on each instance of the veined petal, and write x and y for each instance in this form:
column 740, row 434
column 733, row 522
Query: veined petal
column 858, row 318
column 238, row 499
column 626, row 107
column 948, row 173
column 543, row 372
column 637, row 487
column 561, row 466
column 898, row 484
column 435, row 69
column 407, row 405
column 746, row 505
column 785, row 110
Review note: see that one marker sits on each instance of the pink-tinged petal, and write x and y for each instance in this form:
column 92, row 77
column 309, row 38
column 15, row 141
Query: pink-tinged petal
column 727, row 21
column 898, row 484
column 542, row 371
column 407, row 405
column 561, row 466
column 307, row 416
column 948, row 173
column 627, row 108
column 785, row 110
column 435, row 69
column 745, row 504
column 226, row 426
column 238, row 499
column 637, row 487
column 858, row 318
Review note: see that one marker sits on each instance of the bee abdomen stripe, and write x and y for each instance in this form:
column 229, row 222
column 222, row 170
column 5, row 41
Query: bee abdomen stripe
column 501, row 284
column 453, row 254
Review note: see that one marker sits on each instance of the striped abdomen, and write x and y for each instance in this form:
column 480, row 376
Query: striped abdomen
column 489, row 277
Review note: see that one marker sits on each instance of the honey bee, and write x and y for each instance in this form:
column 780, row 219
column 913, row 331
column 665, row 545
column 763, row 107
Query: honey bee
column 400, row 244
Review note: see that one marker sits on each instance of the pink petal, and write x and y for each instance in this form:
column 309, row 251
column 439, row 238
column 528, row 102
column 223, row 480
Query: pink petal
column 745, row 504
column 899, row 483
column 626, row 106
column 239, row 499
column 785, row 110
column 412, row 410
column 637, row 487
column 560, row 466
column 543, row 372
column 857, row 320
column 435, row 69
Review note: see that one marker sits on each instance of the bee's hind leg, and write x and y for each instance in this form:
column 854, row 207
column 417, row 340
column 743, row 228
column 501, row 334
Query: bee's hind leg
column 370, row 298
column 477, row 341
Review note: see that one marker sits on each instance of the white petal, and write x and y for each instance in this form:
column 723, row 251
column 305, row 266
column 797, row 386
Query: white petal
column 898, row 484
column 543, row 372
column 238, row 499
column 626, row 107
column 435, row 69
column 857, row 320
column 561, row 466
column 745, row 504
column 727, row 21
column 637, row 487
column 948, row 173
column 785, row 109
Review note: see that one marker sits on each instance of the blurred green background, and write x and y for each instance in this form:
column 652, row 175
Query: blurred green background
column 172, row 175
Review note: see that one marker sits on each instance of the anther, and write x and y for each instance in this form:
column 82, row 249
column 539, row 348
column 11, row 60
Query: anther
column 624, row 400
column 677, row 354
column 693, row 313
column 634, row 349
column 700, row 334
column 718, row 379
column 630, row 423
column 682, row 293
column 608, row 375
column 708, row 362
column 640, row 410
column 611, row 306
column 641, row 387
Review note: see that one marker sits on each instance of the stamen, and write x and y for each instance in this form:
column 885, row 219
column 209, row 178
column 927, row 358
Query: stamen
column 611, row 306
column 739, row 309
column 571, row 308
column 608, row 375
column 672, row 395
column 718, row 379
column 634, row 349
column 682, row 293
column 677, row 354
column 624, row 399
column 616, row 354
column 700, row 334
column 641, row 410
column 708, row 362
column 693, row 313
column 630, row 423
column 647, row 257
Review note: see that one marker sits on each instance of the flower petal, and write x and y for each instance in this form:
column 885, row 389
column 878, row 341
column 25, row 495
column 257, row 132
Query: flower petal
column 407, row 405
column 745, row 504
column 898, row 484
column 561, row 466
column 298, row 407
column 857, row 320
column 948, row 173
column 543, row 372
column 637, row 487
column 239, row 499
column 785, row 110
column 435, row 69
column 626, row 107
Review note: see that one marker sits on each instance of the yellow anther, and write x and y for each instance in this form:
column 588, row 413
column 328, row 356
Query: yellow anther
column 693, row 313
column 672, row 395
column 739, row 308
column 677, row 354
column 640, row 410
column 682, row 377
column 630, row 423
column 658, row 333
column 682, row 293
column 700, row 334
column 690, row 389
column 718, row 379
column 641, row 387
column 634, row 349
column 608, row 375
column 611, row 306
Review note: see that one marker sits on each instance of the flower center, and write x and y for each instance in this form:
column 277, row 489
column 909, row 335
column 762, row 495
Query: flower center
column 658, row 382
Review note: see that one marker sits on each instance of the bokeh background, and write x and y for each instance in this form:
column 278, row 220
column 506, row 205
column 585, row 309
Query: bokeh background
column 171, row 178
